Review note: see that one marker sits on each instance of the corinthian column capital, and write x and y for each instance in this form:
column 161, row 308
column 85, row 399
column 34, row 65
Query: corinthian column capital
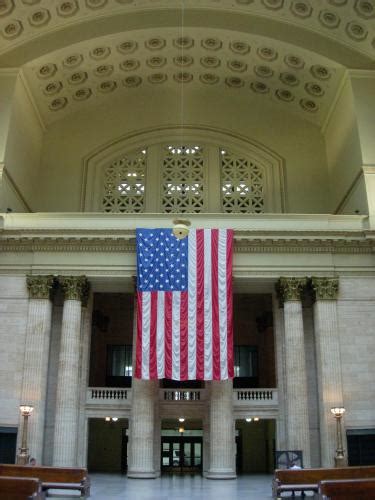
column 325, row 288
column 74, row 287
column 39, row 287
column 290, row 288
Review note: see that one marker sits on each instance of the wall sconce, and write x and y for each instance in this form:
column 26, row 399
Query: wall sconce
column 23, row 456
column 181, row 419
column 338, row 413
column 248, row 419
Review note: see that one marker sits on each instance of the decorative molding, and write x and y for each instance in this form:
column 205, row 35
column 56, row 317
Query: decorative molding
column 325, row 288
column 40, row 287
column 74, row 287
column 115, row 242
column 8, row 178
column 289, row 289
column 349, row 191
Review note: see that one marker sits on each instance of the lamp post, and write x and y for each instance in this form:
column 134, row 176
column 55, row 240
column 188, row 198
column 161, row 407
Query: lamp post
column 338, row 412
column 23, row 455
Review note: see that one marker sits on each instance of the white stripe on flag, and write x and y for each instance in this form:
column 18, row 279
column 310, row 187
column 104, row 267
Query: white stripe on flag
column 146, row 321
column 176, row 301
column 192, row 306
column 222, row 296
column 207, row 306
column 160, row 350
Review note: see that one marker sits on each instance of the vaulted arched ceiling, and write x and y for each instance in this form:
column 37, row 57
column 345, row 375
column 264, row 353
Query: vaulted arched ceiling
column 292, row 53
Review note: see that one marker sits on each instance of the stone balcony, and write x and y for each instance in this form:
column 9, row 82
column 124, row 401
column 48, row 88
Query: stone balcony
column 243, row 399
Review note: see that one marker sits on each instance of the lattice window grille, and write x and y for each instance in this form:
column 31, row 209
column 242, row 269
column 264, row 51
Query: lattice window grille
column 124, row 184
column 242, row 184
column 183, row 179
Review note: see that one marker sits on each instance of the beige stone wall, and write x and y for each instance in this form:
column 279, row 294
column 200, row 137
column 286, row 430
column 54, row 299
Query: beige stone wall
column 13, row 314
column 299, row 143
column 356, row 317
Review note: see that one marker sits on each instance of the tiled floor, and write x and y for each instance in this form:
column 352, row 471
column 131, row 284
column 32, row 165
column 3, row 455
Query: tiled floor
column 116, row 487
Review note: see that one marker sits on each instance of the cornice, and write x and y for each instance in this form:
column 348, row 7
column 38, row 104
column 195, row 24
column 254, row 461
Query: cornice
column 244, row 243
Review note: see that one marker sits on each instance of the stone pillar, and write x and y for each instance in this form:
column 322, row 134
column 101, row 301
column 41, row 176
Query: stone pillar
column 278, row 315
column 144, row 416
column 328, row 363
column 297, row 425
column 68, row 383
column 141, row 454
column 84, row 377
column 222, row 439
column 35, row 369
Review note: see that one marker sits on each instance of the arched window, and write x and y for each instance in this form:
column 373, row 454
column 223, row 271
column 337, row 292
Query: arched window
column 190, row 176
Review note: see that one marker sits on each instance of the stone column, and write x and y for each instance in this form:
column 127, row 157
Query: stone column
column 68, row 383
column 297, row 425
column 222, row 439
column 328, row 363
column 84, row 376
column 35, row 369
column 144, row 416
column 142, row 421
column 278, row 315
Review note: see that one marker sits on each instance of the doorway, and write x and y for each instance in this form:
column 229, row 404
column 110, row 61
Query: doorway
column 107, row 445
column 181, row 446
column 255, row 445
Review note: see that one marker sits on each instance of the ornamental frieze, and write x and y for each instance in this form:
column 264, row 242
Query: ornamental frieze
column 325, row 288
column 39, row 287
column 74, row 287
column 290, row 288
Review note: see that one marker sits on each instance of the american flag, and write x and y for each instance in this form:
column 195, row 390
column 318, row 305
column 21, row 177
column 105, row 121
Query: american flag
column 184, row 305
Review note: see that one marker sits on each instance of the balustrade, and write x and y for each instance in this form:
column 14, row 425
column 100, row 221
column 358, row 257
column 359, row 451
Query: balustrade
column 258, row 396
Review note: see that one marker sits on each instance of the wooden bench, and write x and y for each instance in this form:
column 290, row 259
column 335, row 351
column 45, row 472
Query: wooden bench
column 56, row 478
column 347, row 489
column 21, row 488
column 292, row 480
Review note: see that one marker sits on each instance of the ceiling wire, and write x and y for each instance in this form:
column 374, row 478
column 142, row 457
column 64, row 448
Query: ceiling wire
column 182, row 103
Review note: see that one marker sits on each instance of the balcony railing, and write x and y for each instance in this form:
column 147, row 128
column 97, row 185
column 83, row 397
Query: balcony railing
column 107, row 395
column 256, row 397
column 182, row 395
column 114, row 396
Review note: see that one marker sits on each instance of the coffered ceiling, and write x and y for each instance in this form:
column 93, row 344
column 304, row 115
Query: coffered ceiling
column 291, row 53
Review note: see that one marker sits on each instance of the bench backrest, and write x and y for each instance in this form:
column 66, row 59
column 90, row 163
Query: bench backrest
column 20, row 488
column 46, row 474
column 348, row 489
column 314, row 476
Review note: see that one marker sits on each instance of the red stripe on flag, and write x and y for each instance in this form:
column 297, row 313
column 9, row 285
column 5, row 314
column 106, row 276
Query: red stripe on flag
column 184, row 336
column 200, row 302
column 138, row 359
column 216, row 373
column 229, row 304
column 168, row 334
column 153, row 325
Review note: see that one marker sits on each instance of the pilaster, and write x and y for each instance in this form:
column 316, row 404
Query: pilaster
column 68, row 384
column 222, row 439
column 35, row 369
column 297, row 423
column 328, row 362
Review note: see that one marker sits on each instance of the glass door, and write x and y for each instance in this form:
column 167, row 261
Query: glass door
column 181, row 454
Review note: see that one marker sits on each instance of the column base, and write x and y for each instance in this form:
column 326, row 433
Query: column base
column 340, row 462
column 140, row 474
column 221, row 474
